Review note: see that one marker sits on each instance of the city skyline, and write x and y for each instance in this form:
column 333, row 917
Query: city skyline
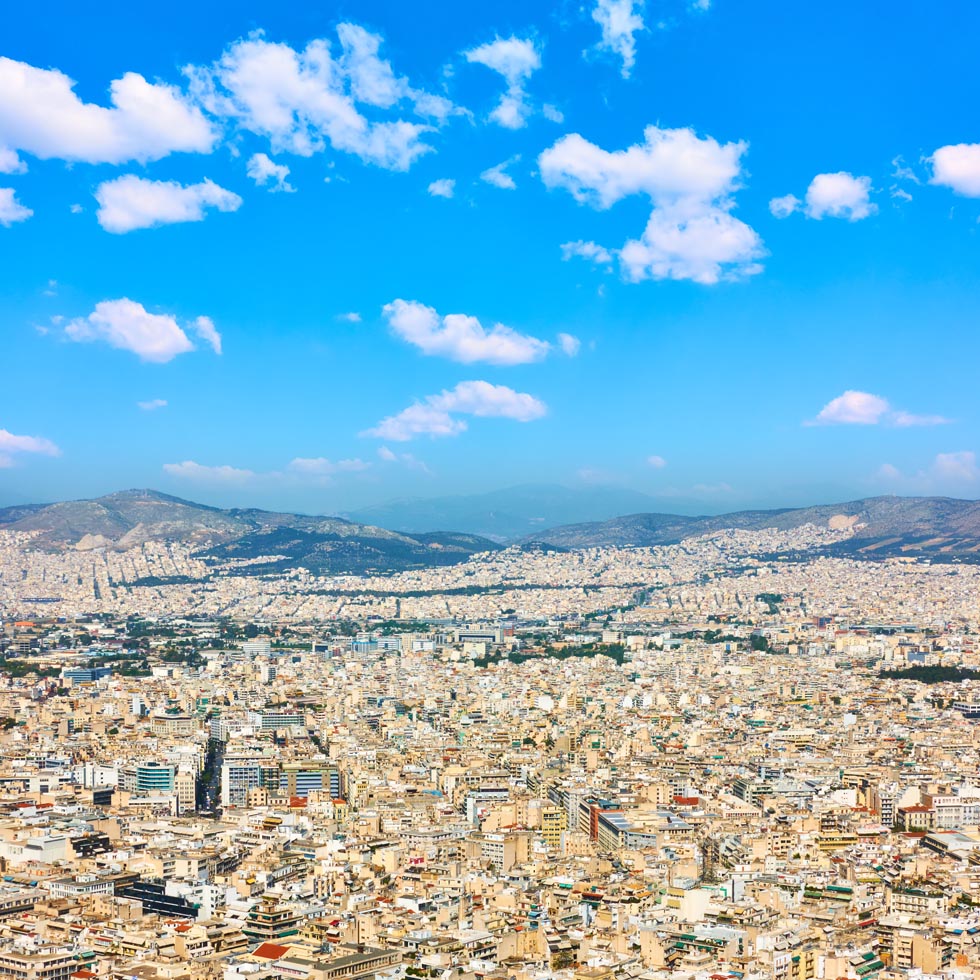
column 319, row 260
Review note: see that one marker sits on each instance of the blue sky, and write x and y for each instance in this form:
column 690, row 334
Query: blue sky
column 724, row 253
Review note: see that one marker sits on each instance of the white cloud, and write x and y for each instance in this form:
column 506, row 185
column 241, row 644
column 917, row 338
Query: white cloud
column 657, row 462
column 569, row 344
column 153, row 404
column 902, row 172
column 442, row 188
column 587, row 250
column 320, row 466
column 552, row 113
column 853, row 408
column 12, row 446
column 460, row 337
column 862, row 408
column 435, row 416
column 10, row 163
column 198, row 472
column 840, row 195
column 11, row 210
column 959, row 467
column 498, row 175
column 957, row 470
column 267, row 172
column 42, row 116
column 129, row 202
column 783, row 207
column 691, row 233
column 957, row 167
column 349, row 317
column 127, row 325
column 305, row 100
column 905, row 420
column 204, row 327
column 418, row 419
column 619, row 20
column 372, row 80
column 703, row 245
column 406, row 459
column 516, row 59
column 670, row 165
column 311, row 470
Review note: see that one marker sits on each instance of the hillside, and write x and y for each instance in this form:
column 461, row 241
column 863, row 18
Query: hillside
column 324, row 544
column 937, row 527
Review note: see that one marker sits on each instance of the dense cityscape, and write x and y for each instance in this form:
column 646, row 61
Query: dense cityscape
column 489, row 491
column 723, row 758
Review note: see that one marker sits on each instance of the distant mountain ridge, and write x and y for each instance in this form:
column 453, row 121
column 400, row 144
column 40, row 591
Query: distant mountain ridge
column 937, row 527
column 329, row 545
column 508, row 514
column 941, row 528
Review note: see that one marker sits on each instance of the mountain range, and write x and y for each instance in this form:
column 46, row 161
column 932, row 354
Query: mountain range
column 941, row 528
column 937, row 527
column 509, row 514
column 330, row 545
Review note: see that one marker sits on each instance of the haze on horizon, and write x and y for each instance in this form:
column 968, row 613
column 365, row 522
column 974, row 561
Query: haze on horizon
column 311, row 261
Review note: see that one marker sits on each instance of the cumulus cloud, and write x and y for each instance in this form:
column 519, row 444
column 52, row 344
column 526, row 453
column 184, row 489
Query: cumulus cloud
column 200, row 473
column 267, row 173
column 863, row 408
column 657, row 462
column 516, row 59
column 351, row 317
column 12, row 446
column 305, row 100
column 153, row 404
column 10, row 163
column 373, row 81
column 460, row 337
column 40, row 114
column 569, row 344
column 11, row 210
column 129, row 202
column 587, row 250
column 840, row 195
column 498, row 176
column 619, row 20
column 783, row 207
column 690, row 180
column 958, row 168
column 436, row 415
column 127, row 325
column 442, row 188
